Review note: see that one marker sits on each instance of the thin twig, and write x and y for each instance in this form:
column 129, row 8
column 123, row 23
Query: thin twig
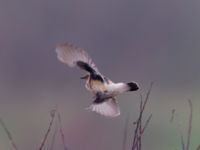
column 8, row 134
column 61, row 132
column 137, row 144
column 53, row 138
column 198, row 148
column 172, row 116
column 182, row 142
column 53, row 112
column 147, row 96
column 140, row 127
column 145, row 101
column 125, row 133
column 135, row 140
column 139, row 134
column 146, row 124
column 189, row 125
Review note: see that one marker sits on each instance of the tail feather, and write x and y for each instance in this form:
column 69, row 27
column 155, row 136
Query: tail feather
column 133, row 86
column 118, row 88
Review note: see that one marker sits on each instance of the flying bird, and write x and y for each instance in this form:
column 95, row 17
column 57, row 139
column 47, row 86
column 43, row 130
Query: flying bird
column 105, row 91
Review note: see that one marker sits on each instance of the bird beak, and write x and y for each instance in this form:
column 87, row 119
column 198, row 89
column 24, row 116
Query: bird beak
column 85, row 77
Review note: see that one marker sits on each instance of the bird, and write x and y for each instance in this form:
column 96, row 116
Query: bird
column 104, row 90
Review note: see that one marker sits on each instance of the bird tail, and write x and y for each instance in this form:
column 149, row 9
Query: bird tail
column 119, row 88
column 132, row 86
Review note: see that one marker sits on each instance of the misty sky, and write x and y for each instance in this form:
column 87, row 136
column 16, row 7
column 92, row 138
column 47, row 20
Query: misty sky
column 156, row 40
column 138, row 40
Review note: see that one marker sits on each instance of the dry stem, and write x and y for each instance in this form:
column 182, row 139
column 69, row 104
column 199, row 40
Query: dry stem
column 53, row 112
column 125, row 133
column 8, row 134
column 139, row 130
column 61, row 132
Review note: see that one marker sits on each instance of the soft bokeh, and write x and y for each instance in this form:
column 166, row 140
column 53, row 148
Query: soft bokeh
column 138, row 40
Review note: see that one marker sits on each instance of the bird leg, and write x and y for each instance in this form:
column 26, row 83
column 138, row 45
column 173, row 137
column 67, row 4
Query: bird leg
column 84, row 77
column 101, row 97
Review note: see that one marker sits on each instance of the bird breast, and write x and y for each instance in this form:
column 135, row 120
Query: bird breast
column 95, row 86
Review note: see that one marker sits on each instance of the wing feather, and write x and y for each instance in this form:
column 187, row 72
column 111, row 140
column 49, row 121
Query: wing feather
column 108, row 108
column 71, row 55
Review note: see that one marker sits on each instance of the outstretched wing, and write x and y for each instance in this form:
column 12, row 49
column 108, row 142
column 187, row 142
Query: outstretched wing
column 107, row 107
column 74, row 56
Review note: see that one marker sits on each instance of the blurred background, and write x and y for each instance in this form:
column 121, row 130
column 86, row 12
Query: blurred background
column 138, row 40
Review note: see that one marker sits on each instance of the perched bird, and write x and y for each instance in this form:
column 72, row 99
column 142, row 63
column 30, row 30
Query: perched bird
column 104, row 90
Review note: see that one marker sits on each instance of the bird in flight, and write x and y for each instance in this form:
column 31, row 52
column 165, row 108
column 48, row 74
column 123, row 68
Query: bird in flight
column 105, row 91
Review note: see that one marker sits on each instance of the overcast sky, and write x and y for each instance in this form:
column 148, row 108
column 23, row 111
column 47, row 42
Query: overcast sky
column 138, row 40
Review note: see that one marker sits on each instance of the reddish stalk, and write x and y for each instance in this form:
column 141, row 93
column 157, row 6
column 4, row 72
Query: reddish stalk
column 61, row 132
column 53, row 112
column 139, row 129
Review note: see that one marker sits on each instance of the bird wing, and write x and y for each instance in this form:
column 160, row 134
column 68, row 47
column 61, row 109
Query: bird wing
column 75, row 56
column 108, row 107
